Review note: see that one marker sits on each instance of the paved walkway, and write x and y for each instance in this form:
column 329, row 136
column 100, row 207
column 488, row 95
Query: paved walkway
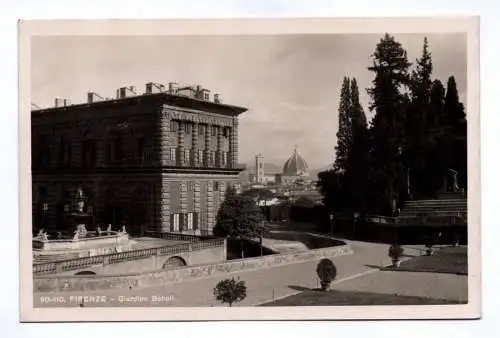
column 358, row 271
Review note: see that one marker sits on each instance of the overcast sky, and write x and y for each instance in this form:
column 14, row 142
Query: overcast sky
column 290, row 84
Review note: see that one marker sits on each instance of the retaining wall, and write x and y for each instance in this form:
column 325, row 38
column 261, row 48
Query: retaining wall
column 164, row 277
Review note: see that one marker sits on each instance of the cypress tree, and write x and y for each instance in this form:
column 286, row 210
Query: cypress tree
column 387, row 174
column 357, row 163
column 456, row 126
column 418, row 120
column 437, row 157
column 453, row 108
column 357, row 114
column 344, row 135
column 436, row 105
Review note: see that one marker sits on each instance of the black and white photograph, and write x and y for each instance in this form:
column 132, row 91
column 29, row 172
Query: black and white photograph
column 207, row 170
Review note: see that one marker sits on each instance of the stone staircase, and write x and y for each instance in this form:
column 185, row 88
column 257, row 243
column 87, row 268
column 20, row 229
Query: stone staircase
column 438, row 207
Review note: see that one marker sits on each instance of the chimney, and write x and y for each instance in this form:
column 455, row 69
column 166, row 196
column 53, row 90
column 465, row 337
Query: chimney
column 172, row 88
column 199, row 92
column 152, row 88
column 58, row 102
column 94, row 97
column 124, row 92
column 217, row 98
column 205, row 95
column 67, row 102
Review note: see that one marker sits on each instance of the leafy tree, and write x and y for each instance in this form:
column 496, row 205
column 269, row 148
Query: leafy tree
column 386, row 162
column 258, row 194
column 230, row 290
column 231, row 191
column 329, row 184
column 344, row 133
column 238, row 216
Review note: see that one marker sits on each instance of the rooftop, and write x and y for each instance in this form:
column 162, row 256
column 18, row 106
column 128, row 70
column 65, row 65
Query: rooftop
column 182, row 96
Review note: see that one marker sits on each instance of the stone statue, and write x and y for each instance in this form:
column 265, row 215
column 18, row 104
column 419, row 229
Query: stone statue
column 39, row 235
column 99, row 231
column 454, row 186
column 82, row 230
column 80, row 204
column 108, row 230
column 124, row 230
column 42, row 236
column 76, row 236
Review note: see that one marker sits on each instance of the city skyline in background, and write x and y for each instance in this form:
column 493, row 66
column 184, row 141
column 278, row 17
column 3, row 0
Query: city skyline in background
column 290, row 84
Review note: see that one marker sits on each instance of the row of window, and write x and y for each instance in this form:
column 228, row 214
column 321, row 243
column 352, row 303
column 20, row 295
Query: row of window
column 215, row 187
column 201, row 156
column 115, row 152
column 187, row 127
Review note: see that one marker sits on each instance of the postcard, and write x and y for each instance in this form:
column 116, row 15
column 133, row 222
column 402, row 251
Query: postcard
column 249, row 169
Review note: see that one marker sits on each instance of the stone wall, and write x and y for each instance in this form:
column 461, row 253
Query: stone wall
column 165, row 277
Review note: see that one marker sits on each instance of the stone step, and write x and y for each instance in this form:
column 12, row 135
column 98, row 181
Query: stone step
column 451, row 195
column 437, row 202
column 434, row 207
column 448, row 213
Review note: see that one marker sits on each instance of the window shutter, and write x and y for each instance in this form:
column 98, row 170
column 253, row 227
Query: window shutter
column 181, row 222
column 195, row 221
column 172, row 222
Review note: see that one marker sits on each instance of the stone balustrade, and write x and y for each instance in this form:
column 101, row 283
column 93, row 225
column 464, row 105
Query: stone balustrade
column 119, row 257
column 110, row 238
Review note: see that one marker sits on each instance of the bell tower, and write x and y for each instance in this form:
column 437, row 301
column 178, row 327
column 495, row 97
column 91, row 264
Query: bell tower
column 259, row 168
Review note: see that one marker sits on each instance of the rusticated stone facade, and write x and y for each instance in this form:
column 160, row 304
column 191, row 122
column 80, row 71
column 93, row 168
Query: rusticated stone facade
column 157, row 162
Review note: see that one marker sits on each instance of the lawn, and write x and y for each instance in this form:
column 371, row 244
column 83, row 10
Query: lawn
column 447, row 260
column 333, row 297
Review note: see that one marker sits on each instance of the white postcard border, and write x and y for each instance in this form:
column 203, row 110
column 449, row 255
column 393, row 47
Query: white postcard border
column 400, row 25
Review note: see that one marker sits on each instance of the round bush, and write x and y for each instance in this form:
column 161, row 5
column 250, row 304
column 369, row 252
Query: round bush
column 395, row 251
column 326, row 270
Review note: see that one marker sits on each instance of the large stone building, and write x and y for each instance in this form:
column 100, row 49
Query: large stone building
column 159, row 161
column 295, row 170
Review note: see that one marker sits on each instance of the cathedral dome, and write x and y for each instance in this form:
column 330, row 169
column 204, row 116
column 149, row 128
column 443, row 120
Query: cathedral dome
column 295, row 165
